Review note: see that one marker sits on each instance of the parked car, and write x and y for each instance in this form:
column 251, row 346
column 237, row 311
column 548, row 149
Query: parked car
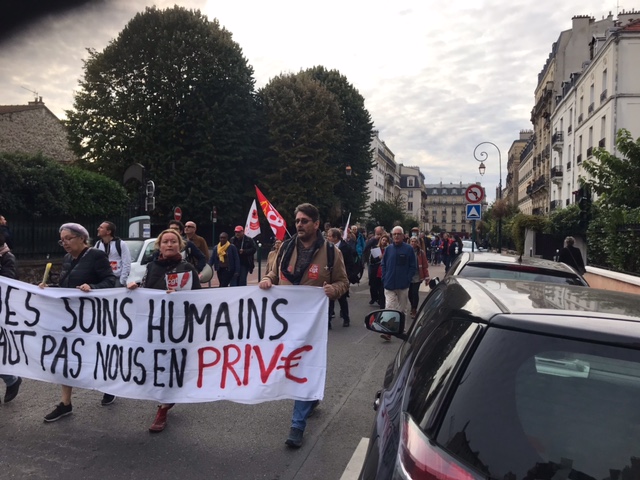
column 467, row 244
column 509, row 267
column 141, row 253
column 502, row 379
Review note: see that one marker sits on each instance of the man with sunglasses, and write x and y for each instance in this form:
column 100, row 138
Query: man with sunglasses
column 304, row 260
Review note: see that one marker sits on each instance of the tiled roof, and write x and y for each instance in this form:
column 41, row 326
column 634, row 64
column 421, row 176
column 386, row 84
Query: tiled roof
column 19, row 108
column 632, row 26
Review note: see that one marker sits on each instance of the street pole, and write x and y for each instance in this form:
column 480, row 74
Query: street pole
column 484, row 156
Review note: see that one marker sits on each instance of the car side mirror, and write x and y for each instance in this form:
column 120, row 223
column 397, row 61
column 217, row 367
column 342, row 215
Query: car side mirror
column 386, row 321
column 433, row 283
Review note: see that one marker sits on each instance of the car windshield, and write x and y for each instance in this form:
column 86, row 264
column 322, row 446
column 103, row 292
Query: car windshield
column 134, row 247
column 531, row 406
column 519, row 272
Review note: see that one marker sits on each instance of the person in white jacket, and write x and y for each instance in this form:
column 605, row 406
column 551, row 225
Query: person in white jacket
column 117, row 251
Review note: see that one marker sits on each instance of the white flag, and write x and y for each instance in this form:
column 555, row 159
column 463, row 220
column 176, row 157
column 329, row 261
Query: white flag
column 346, row 229
column 252, row 228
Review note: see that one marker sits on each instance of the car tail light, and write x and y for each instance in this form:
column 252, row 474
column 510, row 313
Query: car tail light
column 419, row 459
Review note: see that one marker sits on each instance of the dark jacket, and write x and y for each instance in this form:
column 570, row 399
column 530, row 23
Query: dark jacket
column 399, row 265
column 248, row 246
column 233, row 260
column 193, row 255
column 573, row 257
column 92, row 268
column 8, row 265
column 156, row 274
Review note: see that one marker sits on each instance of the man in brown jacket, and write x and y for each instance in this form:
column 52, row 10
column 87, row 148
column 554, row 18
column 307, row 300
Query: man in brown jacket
column 303, row 260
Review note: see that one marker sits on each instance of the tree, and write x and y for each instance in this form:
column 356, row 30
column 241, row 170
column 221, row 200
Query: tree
column 174, row 93
column 33, row 186
column 355, row 148
column 615, row 180
column 303, row 124
column 387, row 214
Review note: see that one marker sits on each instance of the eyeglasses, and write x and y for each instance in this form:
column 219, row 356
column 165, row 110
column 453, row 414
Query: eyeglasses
column 302, row 221
column 62, row 241
column 397, row 233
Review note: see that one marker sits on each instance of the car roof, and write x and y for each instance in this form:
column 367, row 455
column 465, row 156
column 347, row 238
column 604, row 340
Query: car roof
column 490, row 257
column 561, row 309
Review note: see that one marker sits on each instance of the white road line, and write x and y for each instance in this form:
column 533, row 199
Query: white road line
column 357, row 460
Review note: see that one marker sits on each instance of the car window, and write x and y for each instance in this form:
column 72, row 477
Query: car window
column 148, row 253
column 533, row 406
column 134, row 248
column 434, row 365
column 512, row 273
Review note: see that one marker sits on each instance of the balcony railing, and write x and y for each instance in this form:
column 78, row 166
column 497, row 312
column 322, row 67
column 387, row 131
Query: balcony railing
column 568, row 166
column 602, row 142
column 589, row 152
column 556, row 171
column 555, row 204
column 539, row 183
column 591, row 107
column 579, row 159
column 603, row 96
column 537, row 211
column 547, row 151
column 580, row 118
column 557, row 140
column 529, row 189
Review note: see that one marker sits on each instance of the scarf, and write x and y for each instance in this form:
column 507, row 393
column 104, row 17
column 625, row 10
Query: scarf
column 166, row 261
column 222, row 251
column 289, row 246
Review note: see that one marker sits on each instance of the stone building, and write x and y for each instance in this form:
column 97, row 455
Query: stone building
column 33, row 129
column 384, row 184
column 414, row 194
column 445, row 208
column 511, row 191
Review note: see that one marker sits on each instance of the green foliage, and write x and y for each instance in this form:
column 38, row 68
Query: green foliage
column 388, row 214
column 354, row 149
column 613, row 242
column 304, row 125
column 565, row 222
column 615, row 180
column 498, row 210
column 520, row 223
column 36, row 186
column 174, row 93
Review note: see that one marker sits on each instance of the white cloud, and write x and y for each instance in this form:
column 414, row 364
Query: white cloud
column 437, row 77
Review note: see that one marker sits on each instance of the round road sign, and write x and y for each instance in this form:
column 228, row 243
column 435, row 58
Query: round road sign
column 474, row 193
column 177, row 213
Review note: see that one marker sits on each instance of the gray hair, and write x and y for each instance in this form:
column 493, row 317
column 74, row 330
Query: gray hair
column 569, row 241
column 77, row 229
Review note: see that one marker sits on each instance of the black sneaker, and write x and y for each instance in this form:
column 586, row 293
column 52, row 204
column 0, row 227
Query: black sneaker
column 295, row 438
column 107, row 399
column 371, row 302
column 346, row 323
column 12, row 391
column 60, row 411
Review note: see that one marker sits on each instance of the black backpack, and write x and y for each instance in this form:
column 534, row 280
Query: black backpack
column 352, row 264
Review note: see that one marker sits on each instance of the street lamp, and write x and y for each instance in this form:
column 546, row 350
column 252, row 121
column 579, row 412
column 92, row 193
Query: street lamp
column 483, row 156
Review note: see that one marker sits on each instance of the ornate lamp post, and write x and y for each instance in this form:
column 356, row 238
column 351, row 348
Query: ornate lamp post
column 482, row 157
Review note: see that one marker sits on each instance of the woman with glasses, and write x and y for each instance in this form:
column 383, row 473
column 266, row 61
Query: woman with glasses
column 168, row 272
column 86, row 269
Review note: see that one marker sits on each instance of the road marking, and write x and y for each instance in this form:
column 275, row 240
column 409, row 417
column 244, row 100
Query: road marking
column 357, row 460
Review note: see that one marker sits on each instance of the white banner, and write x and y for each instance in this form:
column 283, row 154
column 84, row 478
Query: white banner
column 240, row 344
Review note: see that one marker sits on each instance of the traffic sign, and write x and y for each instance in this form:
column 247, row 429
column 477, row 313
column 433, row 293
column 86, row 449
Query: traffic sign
column 474, row 212
column 474, row 193
column 177, row 213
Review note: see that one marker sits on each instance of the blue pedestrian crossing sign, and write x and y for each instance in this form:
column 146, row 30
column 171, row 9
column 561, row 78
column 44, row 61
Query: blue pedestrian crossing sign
column 474, row 211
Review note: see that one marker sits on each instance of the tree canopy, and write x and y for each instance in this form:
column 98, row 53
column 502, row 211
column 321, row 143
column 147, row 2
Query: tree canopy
column 173, row 92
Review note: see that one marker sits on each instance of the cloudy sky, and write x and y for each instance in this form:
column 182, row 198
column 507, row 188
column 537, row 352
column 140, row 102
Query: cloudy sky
column 438, row 77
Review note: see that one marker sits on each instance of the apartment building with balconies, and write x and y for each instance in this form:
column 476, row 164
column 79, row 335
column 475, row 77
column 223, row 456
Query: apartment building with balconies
column 512, row 188
column 384, row 184
column 445, row 207
column 414, row 194
column 525, row 174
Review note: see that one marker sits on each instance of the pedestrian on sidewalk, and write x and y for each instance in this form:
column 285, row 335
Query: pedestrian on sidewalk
column 422, row 274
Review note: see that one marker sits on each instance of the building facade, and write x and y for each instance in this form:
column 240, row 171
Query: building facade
column 384, row 184
column 414, row 194
column 511, row 190
column 445, row 208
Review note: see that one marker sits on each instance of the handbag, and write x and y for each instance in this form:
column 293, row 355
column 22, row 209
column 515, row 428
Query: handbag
column 206, row 274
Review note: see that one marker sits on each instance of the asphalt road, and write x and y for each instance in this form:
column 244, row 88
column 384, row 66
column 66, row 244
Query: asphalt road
column 218, row 440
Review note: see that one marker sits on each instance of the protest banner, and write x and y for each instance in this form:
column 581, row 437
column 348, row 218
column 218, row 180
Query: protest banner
column 239, row 344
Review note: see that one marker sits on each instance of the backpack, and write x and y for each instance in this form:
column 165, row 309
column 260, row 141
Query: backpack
column 118, row 246
column 352, row 265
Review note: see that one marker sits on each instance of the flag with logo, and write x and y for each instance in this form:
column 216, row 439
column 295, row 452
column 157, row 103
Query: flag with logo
column 252, row 228
column 345, row 233
column 277, row 223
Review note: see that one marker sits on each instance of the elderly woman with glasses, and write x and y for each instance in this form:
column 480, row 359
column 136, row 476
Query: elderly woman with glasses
column 86, row 269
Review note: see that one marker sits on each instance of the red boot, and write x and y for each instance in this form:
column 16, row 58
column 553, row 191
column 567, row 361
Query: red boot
column 161, row 418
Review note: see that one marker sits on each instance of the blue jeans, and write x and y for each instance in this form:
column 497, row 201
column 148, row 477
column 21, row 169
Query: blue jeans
column 301, row 411
column 9, row 379
column 241, row 280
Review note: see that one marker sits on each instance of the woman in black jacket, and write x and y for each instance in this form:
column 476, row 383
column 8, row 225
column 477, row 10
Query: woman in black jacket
column 86, row 269
column 572, row 256
column 8, row 269
column 168, row 272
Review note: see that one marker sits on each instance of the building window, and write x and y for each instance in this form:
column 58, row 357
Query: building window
column 410, row 206
column 411, row 182
column 435, row 191
column 454, row 191
column 444, row 191
column 410, row 194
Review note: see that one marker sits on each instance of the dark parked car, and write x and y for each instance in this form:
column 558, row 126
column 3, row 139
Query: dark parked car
column 501, row 379
column 508, row 267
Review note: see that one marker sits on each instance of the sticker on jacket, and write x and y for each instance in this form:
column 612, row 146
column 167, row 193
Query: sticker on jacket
column 114, row 266
column 314, row 272
column 179, row 281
